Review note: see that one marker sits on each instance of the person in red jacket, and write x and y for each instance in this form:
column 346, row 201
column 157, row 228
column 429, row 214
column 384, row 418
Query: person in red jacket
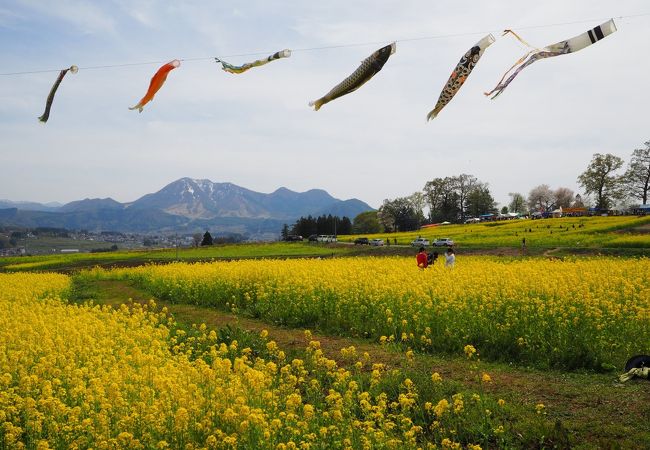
column 422, row 258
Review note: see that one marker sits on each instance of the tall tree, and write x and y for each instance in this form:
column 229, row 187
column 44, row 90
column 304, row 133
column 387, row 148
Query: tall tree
column 577, row 202
column 464, row 185
column 385, row 217
column 400, row 213
column 285, row 232
column 441, row 198
column 540, row 198
column 207, row 239
column 599, row 179
column 479, row 201
column 366, row 223
column 344, row 225
column 517, row 203
column 637, row 176
column 562, row 197
column 418, row 203
column 434, row 194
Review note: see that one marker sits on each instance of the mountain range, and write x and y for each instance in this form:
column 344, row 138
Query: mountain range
column 183, row 206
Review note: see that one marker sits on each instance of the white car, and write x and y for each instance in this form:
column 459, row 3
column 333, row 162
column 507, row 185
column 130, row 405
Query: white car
column 420, row 242
column 377, row 242
column 443, row 242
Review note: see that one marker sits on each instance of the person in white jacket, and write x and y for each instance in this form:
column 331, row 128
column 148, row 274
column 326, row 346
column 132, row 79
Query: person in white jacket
column 450, row 258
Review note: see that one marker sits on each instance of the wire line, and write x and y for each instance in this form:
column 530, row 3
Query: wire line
column 329, row 47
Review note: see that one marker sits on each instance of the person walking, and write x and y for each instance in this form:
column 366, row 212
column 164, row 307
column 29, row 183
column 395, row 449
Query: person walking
column 450, row 258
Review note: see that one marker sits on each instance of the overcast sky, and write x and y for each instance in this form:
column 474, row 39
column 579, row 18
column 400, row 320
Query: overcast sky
column 256, row 129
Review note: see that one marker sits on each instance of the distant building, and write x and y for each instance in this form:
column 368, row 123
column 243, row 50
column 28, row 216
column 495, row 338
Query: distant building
column 575, row 211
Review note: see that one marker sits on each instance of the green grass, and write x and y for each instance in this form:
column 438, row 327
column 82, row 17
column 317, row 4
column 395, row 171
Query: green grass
column 621, row 236
column 574, row 232
column 140, row 257
column 50, row 244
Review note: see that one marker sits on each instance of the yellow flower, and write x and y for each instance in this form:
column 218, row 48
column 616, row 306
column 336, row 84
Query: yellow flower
column 441, row 407
column 436, row 378
column 469, row 350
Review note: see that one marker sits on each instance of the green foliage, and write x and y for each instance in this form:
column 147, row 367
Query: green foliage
column 366, row 222
column 207, row 239
column 325, row 224
column 599, row 179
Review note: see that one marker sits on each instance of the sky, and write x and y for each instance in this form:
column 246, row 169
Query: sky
column 256, row 129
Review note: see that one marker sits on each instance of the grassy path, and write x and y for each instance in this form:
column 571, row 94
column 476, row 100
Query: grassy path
column 593, row 410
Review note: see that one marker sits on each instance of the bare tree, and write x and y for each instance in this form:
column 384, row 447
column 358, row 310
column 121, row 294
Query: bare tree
column 599, row 179
column 464, row 184
column 540, row 198
column 562, row 197
column 637, row 176
column 441, row 198
column 434, row 194
column 385, row 216
column 517, row 202
column 418, row 201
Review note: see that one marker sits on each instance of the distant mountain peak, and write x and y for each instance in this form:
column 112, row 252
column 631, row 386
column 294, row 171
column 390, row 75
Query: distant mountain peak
column 189, row 204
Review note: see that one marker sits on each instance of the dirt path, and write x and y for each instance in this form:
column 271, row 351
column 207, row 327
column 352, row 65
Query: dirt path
column 595, row 408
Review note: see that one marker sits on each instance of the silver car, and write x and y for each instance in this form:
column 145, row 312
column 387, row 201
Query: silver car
column 443, row 242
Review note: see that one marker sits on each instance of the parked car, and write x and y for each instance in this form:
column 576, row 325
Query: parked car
column 326, row 238
column 443, row 242
column 377, row 242
column 361, row 241
column 293, row 238
column 313, row 238
column 420, row 242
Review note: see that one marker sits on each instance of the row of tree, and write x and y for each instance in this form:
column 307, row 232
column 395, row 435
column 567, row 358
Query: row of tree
column 600, row 181
column 325, row 224
column 456, row 198
column 451, row 199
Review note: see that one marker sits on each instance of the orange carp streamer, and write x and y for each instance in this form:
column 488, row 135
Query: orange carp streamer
column 156, row 83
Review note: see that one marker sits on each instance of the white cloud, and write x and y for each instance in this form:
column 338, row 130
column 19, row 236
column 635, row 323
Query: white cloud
column 84, row 15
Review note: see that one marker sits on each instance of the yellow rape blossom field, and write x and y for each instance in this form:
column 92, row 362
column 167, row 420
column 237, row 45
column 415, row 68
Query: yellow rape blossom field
column 84, row 376
column 574, row 313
